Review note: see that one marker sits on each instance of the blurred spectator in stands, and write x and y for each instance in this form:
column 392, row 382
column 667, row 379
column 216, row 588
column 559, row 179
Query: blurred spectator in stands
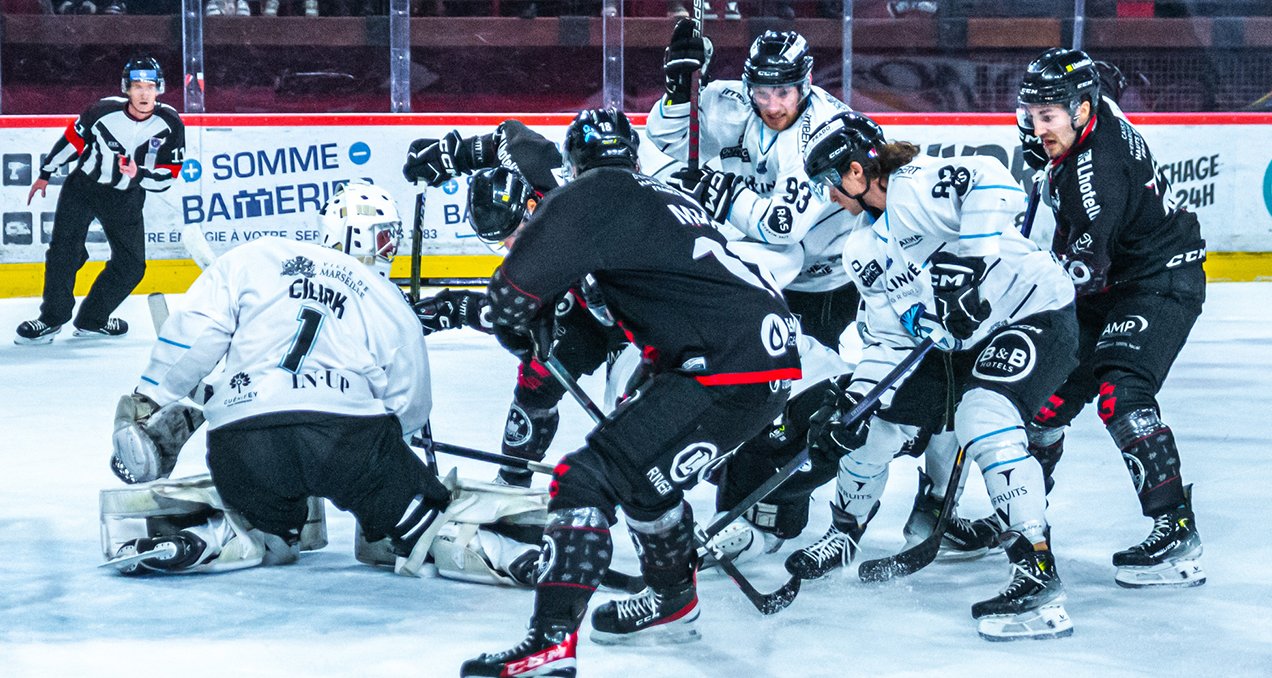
column 77, row 7
column 227, row 8
column 906, row 8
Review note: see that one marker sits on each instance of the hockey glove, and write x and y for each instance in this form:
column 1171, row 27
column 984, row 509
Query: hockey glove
column 685, row 54
column 829, row 437
column 1031, row 148
column 527, row 342
column 449, row 157
column 956, row 286
column 451, row 309
column 715, row 191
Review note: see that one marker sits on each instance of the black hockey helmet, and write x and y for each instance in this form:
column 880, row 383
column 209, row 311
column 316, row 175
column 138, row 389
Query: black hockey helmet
column 779, row 58
column 141, row 69
column 498, row 199
column 1059, row 76
column 599, row 137
column 838, row 142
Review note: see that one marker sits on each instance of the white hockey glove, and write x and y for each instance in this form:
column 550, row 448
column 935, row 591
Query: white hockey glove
column 715, row 191
column 148, row 439
column 956, row 287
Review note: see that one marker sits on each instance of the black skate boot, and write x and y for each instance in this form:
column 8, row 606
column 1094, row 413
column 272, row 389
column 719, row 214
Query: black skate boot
column 159, row 554
column 1031, row 605
column 548, row 650
column 964, row 539
column 648, row 618
column 834, row 550
column 666, row 610
column 114, row 327
column 1169, row 556
column 32, row 332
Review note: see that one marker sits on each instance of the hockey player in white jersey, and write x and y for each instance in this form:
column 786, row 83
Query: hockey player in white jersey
column 941, row 259
column 325, row 374
column 753, row 134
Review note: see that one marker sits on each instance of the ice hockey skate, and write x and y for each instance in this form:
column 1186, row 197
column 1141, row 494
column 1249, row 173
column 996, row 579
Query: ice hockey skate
column 1169, row 556
column 159, row 554
column 114, row 327
column 34, row 332
column 650, row 617
column 836, row 549
column 548, row 650
column 1030, row 607
column 964, row 539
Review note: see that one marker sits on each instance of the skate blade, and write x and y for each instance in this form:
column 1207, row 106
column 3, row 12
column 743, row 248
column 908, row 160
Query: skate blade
column 954, row 555
column 671, row 633
column 1179, row 574
column 38, row 341
column 128, row 564
column 1044, row 623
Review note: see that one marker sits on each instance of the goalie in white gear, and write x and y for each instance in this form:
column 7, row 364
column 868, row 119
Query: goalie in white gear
column 325, row 375
column 940, row 258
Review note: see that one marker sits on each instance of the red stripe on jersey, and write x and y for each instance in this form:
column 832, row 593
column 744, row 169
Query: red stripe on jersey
column 175, row 169
column 74, row 138
column 739, row 378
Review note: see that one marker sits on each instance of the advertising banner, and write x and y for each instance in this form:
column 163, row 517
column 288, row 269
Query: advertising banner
column 248, row 176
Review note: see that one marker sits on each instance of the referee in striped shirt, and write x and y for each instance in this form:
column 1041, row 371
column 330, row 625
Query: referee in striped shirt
column 122, row 147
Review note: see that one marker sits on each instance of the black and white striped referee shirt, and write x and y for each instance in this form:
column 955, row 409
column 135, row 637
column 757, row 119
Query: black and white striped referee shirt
column 105, row 132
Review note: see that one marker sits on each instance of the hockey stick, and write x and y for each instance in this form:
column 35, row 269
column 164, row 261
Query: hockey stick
column 922, row 554
column 694, row 83
column 1035, row 196
column 417, row 244
column 766, row 603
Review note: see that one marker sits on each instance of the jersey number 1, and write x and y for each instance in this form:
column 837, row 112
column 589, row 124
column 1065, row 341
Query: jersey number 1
column 310, row 324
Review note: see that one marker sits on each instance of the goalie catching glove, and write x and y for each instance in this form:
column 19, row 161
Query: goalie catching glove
column 956, row 287
column 148, row 438
column 714, row 190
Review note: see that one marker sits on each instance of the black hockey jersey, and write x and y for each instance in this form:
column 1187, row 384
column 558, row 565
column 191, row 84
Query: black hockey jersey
column 105, row 132
column 1116, row 218
column 663, row 270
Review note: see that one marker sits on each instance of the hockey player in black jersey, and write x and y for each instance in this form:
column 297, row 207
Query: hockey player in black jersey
column 122, row 147
column 1135, row 257
column 514, row 168
column 721, row 347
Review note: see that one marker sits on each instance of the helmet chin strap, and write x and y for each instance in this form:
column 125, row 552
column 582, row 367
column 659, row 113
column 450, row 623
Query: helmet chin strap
column 861, row 198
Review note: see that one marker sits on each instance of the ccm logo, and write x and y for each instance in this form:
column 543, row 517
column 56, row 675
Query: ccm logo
column 1187, row 258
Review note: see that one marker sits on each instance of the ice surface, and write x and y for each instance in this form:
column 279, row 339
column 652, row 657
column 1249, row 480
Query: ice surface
column 60, row 615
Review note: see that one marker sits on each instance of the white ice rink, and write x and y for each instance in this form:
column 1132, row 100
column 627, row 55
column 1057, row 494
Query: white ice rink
column 328, row 615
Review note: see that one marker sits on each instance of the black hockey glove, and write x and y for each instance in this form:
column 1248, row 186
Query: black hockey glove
column 1032, row 150
column 715, row 191
column 447, row 158
column 685, row 54
column 450, row 309
column 527, row 342
column 956, row 286
column 829, row 438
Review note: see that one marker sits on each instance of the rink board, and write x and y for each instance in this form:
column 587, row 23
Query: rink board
column 253, row 175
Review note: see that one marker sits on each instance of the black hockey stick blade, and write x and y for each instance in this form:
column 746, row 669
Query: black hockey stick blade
column 766, row 603
column 627, row 583
column 921, row 555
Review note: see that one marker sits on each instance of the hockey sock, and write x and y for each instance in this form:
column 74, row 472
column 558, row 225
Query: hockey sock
column 1148, row 448
column 665, row 547
column 576, row 553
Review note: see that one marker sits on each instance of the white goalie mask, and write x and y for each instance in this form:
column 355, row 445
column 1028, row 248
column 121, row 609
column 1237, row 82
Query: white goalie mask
column 362, row 221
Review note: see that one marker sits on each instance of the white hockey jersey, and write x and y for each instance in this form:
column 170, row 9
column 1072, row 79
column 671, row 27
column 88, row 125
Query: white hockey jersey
column 301, row 328
column 778, row 207
column 967, row 206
